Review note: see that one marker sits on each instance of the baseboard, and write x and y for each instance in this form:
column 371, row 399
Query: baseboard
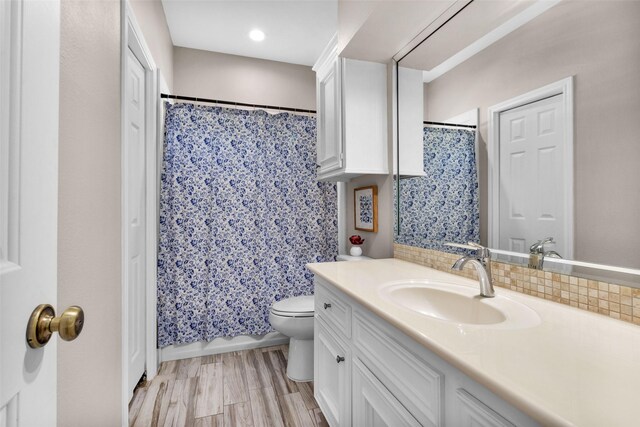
column 221, row 345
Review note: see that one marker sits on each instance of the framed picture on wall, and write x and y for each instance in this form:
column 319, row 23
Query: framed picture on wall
column 365, row 208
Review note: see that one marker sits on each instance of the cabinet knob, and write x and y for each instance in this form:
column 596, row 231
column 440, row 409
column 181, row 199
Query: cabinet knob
column 339, row 359
column 327, row 305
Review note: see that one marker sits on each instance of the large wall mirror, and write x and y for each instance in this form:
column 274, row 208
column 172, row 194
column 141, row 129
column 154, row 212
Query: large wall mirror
column 520, row 121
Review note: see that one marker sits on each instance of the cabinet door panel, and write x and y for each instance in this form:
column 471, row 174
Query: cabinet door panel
column 474, row 413
column 373, row 404
column 329, row 120
column 417, row 385
column 332, row 378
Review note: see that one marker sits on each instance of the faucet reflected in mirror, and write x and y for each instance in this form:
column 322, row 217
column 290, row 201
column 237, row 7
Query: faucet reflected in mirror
column 537, row 253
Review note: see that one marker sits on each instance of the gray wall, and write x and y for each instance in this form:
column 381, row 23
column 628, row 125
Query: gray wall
column 599, row 43
column 377, row 245
column 153, row 23
column 226, row 77
column 89, row 243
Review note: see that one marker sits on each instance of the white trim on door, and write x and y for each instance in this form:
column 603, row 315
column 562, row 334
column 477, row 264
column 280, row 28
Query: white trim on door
column 133, row 39
column 564, row 88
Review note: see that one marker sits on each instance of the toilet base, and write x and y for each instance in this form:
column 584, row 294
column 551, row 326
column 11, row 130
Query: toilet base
column 300, row 360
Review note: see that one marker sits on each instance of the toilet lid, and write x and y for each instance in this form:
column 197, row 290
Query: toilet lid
column 294, row 307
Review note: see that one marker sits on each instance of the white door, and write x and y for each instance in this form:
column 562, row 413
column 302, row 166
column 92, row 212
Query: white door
column 29, row 82
column 533, row 194
column 135, row 200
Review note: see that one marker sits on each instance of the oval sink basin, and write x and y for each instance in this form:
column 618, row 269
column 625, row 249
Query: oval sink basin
column 459, row 304
column 447, row 305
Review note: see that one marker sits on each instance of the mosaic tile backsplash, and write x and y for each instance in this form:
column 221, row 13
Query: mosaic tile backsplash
column 616, row 301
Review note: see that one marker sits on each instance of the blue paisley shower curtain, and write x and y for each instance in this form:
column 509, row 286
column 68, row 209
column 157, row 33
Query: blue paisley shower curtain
column 442, row 206
column 241, row 213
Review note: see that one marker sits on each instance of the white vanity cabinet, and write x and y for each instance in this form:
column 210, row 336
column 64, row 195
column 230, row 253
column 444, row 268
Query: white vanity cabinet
column 473, row 413
column 373, row 404
column 332, row 375
column 351, row 99
column 388, row 379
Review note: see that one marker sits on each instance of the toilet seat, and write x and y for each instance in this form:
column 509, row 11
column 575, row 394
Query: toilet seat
column 294, row 307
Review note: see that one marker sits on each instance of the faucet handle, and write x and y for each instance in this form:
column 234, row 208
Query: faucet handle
column 538, row 247
column 461, row 245
column 481, row 251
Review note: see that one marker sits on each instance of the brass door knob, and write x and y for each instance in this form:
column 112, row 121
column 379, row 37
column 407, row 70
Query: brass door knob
column 43, row 323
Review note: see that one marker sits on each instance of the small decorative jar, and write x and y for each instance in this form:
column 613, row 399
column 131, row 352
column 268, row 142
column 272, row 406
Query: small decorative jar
column 356, row 242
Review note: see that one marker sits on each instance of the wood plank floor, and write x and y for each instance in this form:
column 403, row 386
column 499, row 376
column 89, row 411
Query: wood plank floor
column 242, row 388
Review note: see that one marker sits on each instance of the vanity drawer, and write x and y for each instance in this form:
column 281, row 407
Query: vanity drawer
column 415, row 384
column 333, row 310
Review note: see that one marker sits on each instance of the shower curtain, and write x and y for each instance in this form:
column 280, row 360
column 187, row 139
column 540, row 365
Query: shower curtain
column 442, row 206
column 241, row 213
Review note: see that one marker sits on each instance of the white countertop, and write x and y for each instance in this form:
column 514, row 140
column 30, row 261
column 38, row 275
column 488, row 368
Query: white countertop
column 572, row 368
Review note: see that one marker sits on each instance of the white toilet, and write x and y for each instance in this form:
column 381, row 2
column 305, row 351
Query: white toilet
column 293, row 317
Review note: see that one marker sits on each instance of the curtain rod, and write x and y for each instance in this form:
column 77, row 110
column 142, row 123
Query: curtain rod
column 450, row 124
column 238, row 104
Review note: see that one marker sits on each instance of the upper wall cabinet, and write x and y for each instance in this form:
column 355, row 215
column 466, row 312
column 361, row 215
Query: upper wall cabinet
column 352, row 117
column 410, row 126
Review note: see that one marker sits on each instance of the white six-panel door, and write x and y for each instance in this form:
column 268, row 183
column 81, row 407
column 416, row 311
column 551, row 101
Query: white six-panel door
column 29, row 82
column 532, row 188
column 135, row 222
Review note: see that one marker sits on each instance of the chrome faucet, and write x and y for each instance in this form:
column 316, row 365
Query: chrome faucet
column 482, row 262
column 537, row 253
column 538, row 247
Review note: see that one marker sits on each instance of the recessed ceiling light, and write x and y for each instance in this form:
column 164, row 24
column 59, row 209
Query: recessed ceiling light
column 256, row 35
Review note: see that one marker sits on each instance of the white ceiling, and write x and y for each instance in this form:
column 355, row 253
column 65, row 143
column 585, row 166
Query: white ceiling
column 296, row 30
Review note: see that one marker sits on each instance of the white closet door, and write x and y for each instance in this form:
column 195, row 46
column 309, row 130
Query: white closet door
column 532, row 187
column 135, row 199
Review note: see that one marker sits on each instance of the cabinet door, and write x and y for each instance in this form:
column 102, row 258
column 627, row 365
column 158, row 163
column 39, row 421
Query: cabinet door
column 474, row 413
column 416, row 384
column 329, row 145
column 373, row 404
column 332, row 379
column 410, row 126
